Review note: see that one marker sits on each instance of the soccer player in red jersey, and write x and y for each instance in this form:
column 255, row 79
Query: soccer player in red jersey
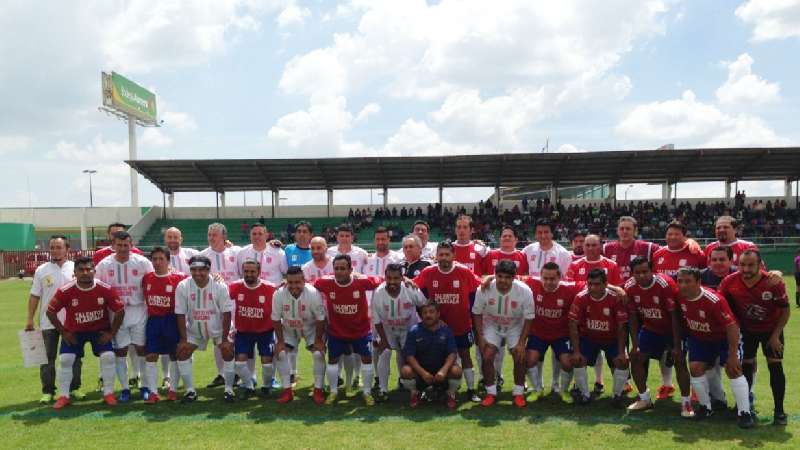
column 161, row 331
column 576, row 242
column 465, row 250
column 552, row 299
column 711, row 333
column 507, row 250
column 89, row 303
column 677, row 253
column 349, row 325
column 655, row 329
column 597, row 322
column 725, row 230
column 100, row 254
column 594, row 259
column 453, row 287
column 627, row 247
column 763, row 311
column 252, row 298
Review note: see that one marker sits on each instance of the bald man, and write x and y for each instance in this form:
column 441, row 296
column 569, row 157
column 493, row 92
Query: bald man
column 321, row 263
column 178, row 256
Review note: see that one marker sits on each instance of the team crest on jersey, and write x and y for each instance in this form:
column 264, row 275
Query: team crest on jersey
column 655, row 300
column 606, row 312
column 193, row 296
column 74, row 302
column 262, row 299
column 332, row 295
column 472, row 256
column 552, row 259
column 286, row 307
column 135, row 272
column 407, row 305
column 614, row 258
column 148, row 286
column 637, row 299
column 766, row 296
column 169, row 288
column 682, row 262
column 302, row 307
column 231, row 258
column 582, row 271
column 456, row 283
column 111, row 273
column 100, row 300
column 240, row 297
column 661, row 260
column 683, row 308
column 435, row 283
column 357, row 294
column 513, row 305
column 559, row 302
column 702, row 313
column 48, row 281
column 294, row 257
column 492, row 301
column 269, row 259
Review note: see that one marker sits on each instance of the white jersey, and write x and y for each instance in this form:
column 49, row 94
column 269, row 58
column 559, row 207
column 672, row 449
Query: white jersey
column 376, row 265
column 223, row 263
column 504, row 312
column 311, row 272
column 272, row 259
column 203, row 307
column 429, row 251
column 46, row 281
column 180, row 260
column 298, row 315
column 537, row 258
column 126, row 279
column 396, row 313
column 358, row 256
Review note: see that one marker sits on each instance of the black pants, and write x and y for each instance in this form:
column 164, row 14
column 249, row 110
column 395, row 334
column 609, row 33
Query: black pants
column 47, row 372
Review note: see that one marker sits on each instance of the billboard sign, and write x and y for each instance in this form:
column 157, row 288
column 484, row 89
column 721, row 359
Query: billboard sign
column 128, row 97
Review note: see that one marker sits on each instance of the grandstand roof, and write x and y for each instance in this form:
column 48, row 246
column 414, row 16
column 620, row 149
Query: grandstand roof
column 561, row 169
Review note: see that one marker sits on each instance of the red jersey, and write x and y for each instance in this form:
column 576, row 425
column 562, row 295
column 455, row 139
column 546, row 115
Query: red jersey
column 598, row 319
column 738, row 246
column 348, row 309
column 707, row 316
column 493, row 257
column 551, row 321
column 653, row 304
column 101, row 253
column 579, row 270
column 623, row 256
column 470, row 255
column 87, row 309
column 758, row 307
column 253, row 306
column 667, row 262
column 451, row 290
column 159, row 292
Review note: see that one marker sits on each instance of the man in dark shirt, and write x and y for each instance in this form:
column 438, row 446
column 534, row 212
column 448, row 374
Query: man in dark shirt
column 412, row 256
column 430, row 352
column 720, row 265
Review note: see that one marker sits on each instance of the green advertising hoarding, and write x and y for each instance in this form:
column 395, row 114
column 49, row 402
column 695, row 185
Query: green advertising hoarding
column 128, row 97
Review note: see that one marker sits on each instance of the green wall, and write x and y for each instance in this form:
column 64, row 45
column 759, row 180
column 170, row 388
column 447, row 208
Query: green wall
column 780, row 259
column 17, row 236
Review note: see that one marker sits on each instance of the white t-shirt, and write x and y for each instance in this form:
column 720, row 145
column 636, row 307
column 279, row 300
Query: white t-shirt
column 358, row 256
column 180, row 261
column 126, row 279
column 203, row 307
column 429, row 251
column 396, row 313
column 272, row 259
column 537, row 258
column 311, row 272
column 298, row 315
column 504, row 311
column 223, row 263
column 376, row 265
column 46, row 281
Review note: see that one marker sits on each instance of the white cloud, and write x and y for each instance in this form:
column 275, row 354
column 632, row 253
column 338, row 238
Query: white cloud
column 416, row 138
column 14, row 144
column 153, row 138
column 744, row 87
column 99, row 151
column 569, row 148
column 178, row 120
column 319, row 128
column 772, row 19
column 292, row 14
column 368, row 110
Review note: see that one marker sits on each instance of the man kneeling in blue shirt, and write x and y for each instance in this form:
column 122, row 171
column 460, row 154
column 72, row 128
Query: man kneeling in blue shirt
column 430, row 352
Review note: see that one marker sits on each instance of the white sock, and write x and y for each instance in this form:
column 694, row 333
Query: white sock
column 319, row 369
column 741, row 393
column 556, row 368
column 151, row 376
column 107, row 363
column 645, row 396
column 356, row 363
column 366, row 374
column 142, row 363
column 666, row 373
column 218, row 359
column 348, row 363
column 121, row 364
column 452, row 385
column 498, row 362
column 293, row 361
column 333, row 377
column 267, row 374
column 598, row 368
column 251, row 366
column 714, row 377
column 164, row 365
column 284, row 366
column 538, row 383
column 491, row 390
column 620, row 377
column 518, row 389
column 479, row 361
column 244, row 373
column 700, row 386
column 566, row 379
column 533, row 377
column 469, row 378
column 384, row 361
column 410, row 385
column 173, row 375
column 133, row 362
column 228, row 373
column 185, row 370
column 582, row 380
column 65, row 373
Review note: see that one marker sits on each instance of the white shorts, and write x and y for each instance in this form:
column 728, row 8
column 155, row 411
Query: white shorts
column 495, row 335
column 293, row 336
column 201, row 341
column 130, row 334
column 396, row 339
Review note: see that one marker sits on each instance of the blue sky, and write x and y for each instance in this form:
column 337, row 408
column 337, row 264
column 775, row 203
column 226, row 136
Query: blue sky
column 280, row 78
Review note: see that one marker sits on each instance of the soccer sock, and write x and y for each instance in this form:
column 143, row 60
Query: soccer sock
column 107, row 368
column 556, row 371
column 452, row 385
column 538, row 383
column 598, row 369
column 777, row 381
column 498, row 362
column 173, row 375
column 533, row 377
column 319, row 369
column 251, row 366
column 411, row 385
column 715, row 388
column 741, row 393
column 620, row 377
column 333, row 377
column 185, row 370
column 133, row 362
column 284, row 369
column 244, row 374
column 293, row 361
column 666, row 373
column 141, row 362
column 229, row 373
column 121, row 363
column 518, row 389
column 566, row 379
column 479, row 361
column 700, row 386
column 582, row 380
column 151, row 376
column 218, row 359
column 347, row 361
column 356, row 363
column 267, row 374
column 491, row 390
column 367, row 373
column 645, row 396
column 164, row 365
column 384, row 360
column 65, row 373
column 469, row 378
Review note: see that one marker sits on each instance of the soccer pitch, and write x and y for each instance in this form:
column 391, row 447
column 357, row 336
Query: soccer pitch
column 258, row 423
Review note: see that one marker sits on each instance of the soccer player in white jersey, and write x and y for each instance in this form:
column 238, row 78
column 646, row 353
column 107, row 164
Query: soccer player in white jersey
column 321, row 263
column 203, row 308
column 272, row 259
column 178, row 255
column 344, row 246
column 124, row 271
column 422, row 230
column 298, row 313
column 503, row 312
column 394, row 312
column 46, row 280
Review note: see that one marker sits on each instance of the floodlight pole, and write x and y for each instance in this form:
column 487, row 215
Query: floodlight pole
column 132, row 157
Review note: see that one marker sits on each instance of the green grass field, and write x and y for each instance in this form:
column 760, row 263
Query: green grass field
column 209, row 423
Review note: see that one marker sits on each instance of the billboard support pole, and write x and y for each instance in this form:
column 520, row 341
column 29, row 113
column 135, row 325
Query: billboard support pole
column 132, row 157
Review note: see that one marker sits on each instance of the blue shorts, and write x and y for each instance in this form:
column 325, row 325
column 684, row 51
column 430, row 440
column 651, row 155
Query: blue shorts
column 338, row 347
column 245, row 343
column 161, row 335
column 590, row 350
column 559, row 346
column 709, row 351
column 83, row 338
column 654, row 344
column 465, row 340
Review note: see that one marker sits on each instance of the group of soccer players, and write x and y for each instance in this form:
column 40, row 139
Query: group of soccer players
column 619, row 303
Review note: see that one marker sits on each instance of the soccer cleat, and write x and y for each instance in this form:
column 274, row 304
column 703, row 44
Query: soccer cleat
column 598, row 389
column 382, row 397
column 144, row 393
column 718, row 405
column 110, row 400
column 124, row 396
column 617, row 401
column 665, row 392
column 293, row 380
column 451, row 402
column 133, row 382
column 318, row 396
column 331, row 400
column 500, row 381
column 693, row 397
column 77, row 394
column 489, row 400
column 165, row 383
column 640, row 405
column 229, row 397
column 519, row 401
column 702, row 412
column 414, row 400
column 46, row 399
column 216, row 382
column 286, row 397
column 99, row 387
column 582, row 400
column 356, row 382
column 369, row 400
column 265, row 391
column 745, row 420
column 473, row 396
column 276, row 384
column 61, row 403
column 687, row 412
column 245, row 393
column 152, row 399
column 566, row 396
column 780, row 419
column 172, row 395
column 189, row 397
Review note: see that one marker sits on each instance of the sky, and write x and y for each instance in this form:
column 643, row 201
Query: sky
column 310, row 78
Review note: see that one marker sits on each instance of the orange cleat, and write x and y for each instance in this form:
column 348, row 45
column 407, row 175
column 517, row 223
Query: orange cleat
column 665, row 392
column 451, row 402
column 414, row 400
column 110, row 399
column 489, row 400
column 286, row 396
column 519, row 401
column 318, row 396
column 152, row 399
column 693, row 398
column 61, row 403
column 172, row 395
column 627, row 388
